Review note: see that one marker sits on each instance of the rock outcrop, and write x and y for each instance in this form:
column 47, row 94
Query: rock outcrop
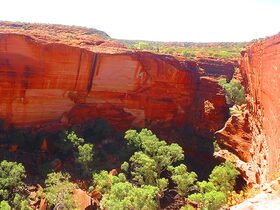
column 236, row 136
column 211, row 109
column 260, row 66
column 217, row 67
column 49, row 78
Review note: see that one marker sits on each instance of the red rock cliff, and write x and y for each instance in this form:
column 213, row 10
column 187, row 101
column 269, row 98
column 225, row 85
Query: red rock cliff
column 260, row 66
column 51, row 74
column 42, row 82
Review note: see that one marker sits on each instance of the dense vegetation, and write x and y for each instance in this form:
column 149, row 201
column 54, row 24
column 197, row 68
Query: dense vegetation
column 189, row 50
column 154, row 170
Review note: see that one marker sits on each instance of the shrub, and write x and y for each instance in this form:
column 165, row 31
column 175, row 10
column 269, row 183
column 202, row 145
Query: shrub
column 143, row 46
column 21, row 203
column 145, row 167
column 212, row 195
column 58, row 191
column 224, row 177
column 83, row 151
column 188, row 54
column 74, row 139
column 4, row 205
column 184, row 180
column 12, row 175
column 208, row 197
column 85, row 156
column 212, row 200
column 234, row 198
column 152, row 158
column 216, row 146
column 126, row 196
column 125, row 166
column 234, row 91
column 103, row 181
column 169, row 50
column 188, row 207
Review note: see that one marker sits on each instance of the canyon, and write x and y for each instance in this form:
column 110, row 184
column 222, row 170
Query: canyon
column 53, row 77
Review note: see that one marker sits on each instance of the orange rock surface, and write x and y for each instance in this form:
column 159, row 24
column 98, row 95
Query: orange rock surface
column 216, row 67
column 260, row 66
column 42, row 82
column 62, row 76
column 236, row 136
column 82, row 199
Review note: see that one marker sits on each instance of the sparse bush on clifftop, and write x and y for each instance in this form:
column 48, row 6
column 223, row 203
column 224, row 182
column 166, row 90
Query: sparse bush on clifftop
column 143, row 46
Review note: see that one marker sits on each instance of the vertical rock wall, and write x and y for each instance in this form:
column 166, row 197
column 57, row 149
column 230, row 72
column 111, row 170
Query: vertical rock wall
column 44, row 82
column 260, row 67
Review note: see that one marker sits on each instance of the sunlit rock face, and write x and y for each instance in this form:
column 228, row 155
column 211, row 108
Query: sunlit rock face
column 51, row 79
column 44, row 82
column 260, row 67
column 236, row 136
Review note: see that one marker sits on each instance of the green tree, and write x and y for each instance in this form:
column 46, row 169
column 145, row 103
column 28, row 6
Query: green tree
column 125, row 166
column 153, row 157
column 74, row 138
column 20, row 202
column 12, row 175
column 212, row 200
column 124, row 195
column 102, row 181
column 185, row 181
column 212, row 194
column 224, row 177
column 208, row 197
column 85, row 156
column 234, row 92
column 59, row 190
column 83, row 151
column 4, row 205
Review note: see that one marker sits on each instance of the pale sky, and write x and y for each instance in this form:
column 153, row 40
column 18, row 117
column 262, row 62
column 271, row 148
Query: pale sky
column 160, row 20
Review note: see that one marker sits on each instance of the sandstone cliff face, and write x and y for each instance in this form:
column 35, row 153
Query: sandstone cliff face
column 260, row 67
column 54, row 77
column 236, row 137
column 43, row 82
column 211, row 109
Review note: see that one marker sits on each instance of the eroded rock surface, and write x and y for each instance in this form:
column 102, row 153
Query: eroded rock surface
column 260, row 65
column 236, row 136
column 53, row 79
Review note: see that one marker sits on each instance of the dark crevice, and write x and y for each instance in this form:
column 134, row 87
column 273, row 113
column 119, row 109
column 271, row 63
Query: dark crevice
column 79, row 68
column 95, row 58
